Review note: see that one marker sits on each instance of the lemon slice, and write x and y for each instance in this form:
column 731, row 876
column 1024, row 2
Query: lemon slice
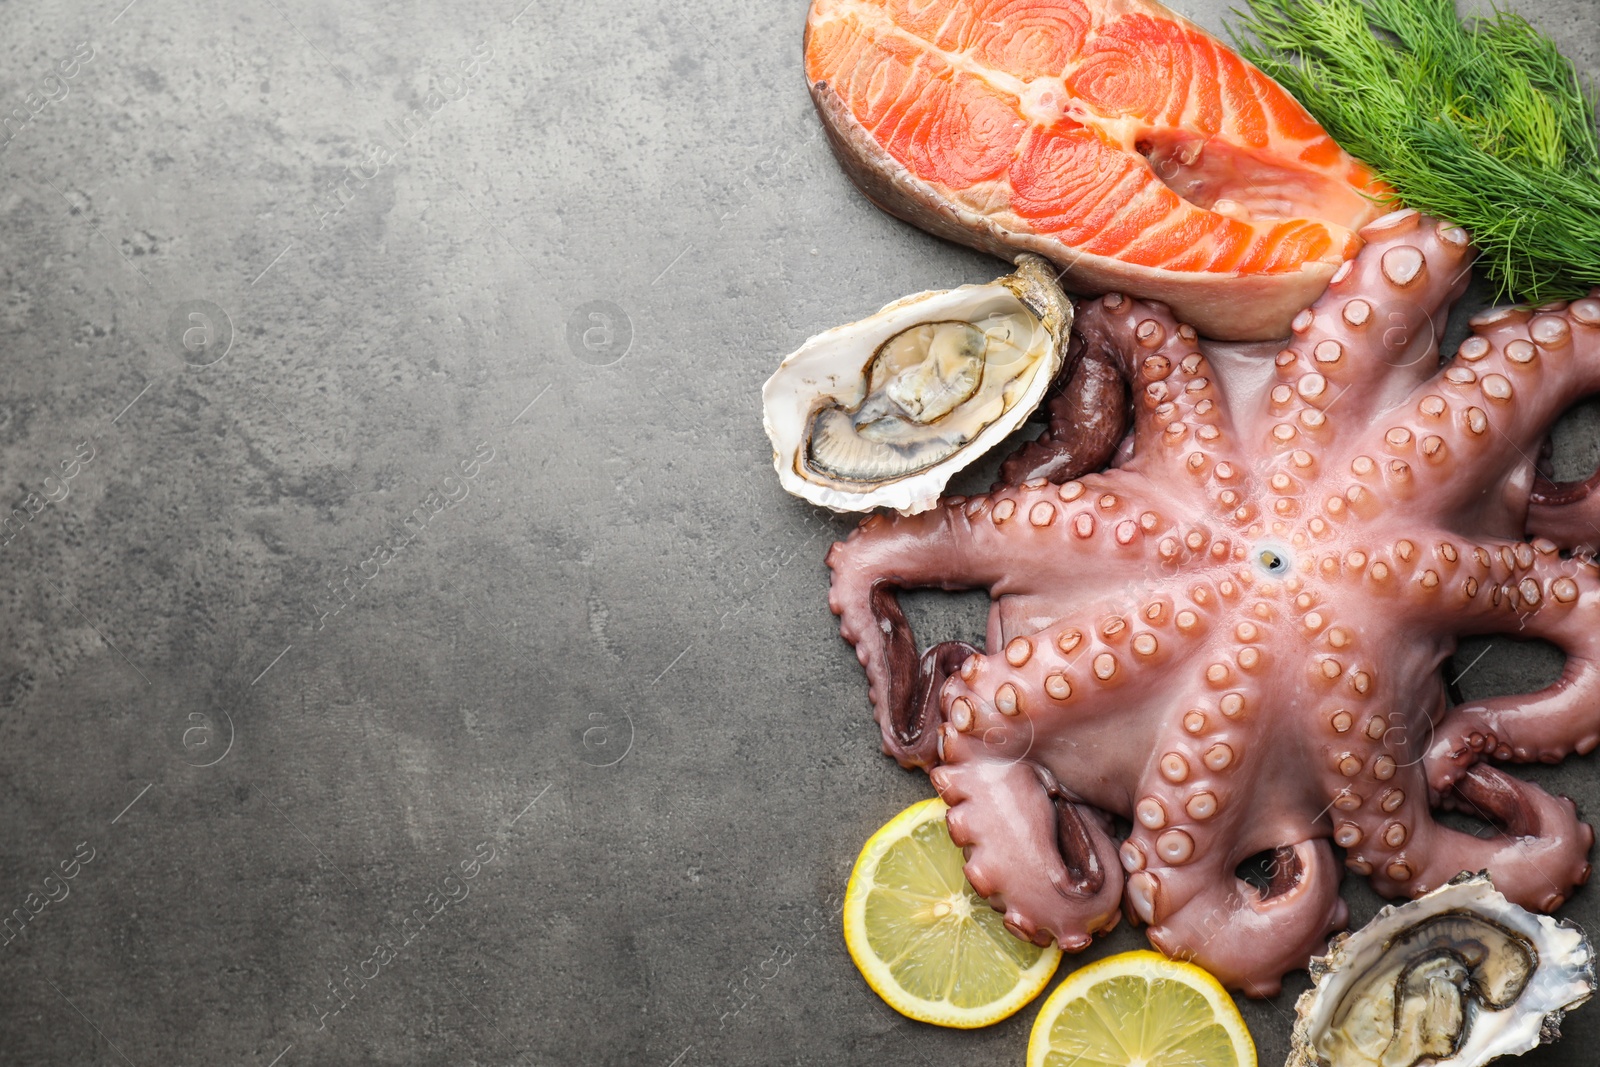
column 1140, row 1009
column 924, row 940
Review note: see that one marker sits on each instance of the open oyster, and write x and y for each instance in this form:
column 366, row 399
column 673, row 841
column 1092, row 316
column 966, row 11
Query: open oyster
column 882, row 412
column 1455, row 978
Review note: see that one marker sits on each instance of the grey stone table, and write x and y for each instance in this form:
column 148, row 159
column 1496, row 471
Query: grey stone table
column 408, row 649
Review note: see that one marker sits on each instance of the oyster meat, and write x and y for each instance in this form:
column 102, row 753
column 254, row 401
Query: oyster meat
column 882, row 412
column 1456, row 978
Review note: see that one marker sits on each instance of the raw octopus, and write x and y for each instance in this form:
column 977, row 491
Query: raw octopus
column 1118, row 140
column 1234, row 638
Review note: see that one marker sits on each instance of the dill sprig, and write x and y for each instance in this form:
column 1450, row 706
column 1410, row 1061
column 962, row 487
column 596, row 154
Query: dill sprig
column 1485, row 124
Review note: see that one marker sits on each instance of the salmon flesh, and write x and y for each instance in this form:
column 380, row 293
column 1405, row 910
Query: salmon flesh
column 1115, row 138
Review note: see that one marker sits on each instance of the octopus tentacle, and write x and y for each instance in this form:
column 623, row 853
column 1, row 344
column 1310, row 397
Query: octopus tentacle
column 1376, row 811
column 1189, row 803
column 1178, row 409
column 922, row 717
column 1537, row 860
column 1373, row 335
column 1568, row 513
column 881, row 556
column 1004, row 541
column 1246, row 937
column 1087, row 420
column 1196, row 816
column 1536, row 595
column 1093, row 665
column 1478, row 424
column 1006, row 819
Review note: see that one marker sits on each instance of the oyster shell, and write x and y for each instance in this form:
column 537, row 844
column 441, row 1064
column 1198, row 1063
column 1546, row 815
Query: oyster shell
column 1455, row 978
column 882, row 412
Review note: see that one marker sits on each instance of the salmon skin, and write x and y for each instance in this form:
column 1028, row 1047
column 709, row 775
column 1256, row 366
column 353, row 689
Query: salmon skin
column 1115, row 138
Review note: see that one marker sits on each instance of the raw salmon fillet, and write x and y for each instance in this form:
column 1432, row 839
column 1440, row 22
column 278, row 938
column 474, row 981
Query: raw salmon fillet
column 1115, row 138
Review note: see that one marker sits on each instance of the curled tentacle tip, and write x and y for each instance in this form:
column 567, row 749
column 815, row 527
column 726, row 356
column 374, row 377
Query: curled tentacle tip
column 1074, row 942
column 1263, row 990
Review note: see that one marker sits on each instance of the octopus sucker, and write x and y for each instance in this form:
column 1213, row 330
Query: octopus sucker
column 1233, row 638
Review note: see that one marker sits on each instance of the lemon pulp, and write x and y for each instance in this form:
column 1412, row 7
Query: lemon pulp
column 1140, row 1009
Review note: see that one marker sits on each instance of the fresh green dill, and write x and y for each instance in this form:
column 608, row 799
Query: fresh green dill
column 1484, row 123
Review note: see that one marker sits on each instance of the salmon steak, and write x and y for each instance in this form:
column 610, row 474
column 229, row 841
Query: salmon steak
column 1115, row 138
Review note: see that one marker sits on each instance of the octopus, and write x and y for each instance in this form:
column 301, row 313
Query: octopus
column 1231, row 641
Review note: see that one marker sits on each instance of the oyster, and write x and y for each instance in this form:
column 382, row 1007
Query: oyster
column 1455, row 978
column 882, row 412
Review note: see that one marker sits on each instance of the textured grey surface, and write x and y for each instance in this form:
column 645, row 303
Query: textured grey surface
column 279, row 718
